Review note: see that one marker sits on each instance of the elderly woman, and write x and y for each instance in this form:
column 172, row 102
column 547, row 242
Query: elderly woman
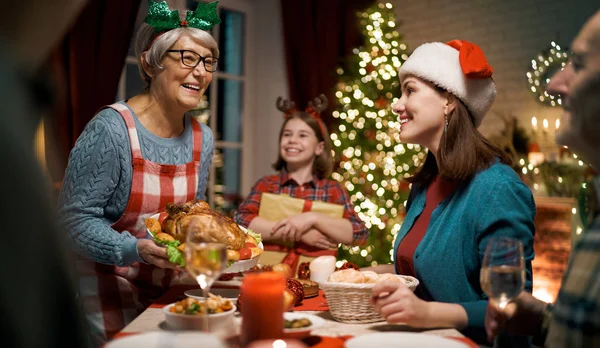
column 463, row 195
column 133, row 158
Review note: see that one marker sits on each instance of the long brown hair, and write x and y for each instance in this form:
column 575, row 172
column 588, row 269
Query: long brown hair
column 462, row 152
column 323, row 164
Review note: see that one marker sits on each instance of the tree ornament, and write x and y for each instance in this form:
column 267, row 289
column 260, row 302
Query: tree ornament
column 304, row 270
column 382, row 103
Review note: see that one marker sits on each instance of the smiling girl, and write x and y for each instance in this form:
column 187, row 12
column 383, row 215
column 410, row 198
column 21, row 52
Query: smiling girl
column 304, row 163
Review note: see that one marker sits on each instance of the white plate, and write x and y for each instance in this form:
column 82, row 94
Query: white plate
column 238, row 266
column 236, row 281
column 316, row 322
column 230, row 294
column 159, row 339
column 404, row 339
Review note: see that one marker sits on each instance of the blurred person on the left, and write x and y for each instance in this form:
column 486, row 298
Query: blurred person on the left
column 37, row 294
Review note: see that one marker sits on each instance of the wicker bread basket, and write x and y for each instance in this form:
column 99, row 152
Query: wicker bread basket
column 349, row 302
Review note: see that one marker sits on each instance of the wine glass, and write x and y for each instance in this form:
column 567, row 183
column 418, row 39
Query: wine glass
column 503, row 270
column 502, row 274
column 205, row 262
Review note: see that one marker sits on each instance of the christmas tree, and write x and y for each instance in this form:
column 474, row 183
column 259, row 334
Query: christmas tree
column 373, row 161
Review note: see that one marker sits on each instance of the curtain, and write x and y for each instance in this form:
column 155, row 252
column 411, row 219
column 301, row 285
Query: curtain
column 318, row 36
column 86, row 69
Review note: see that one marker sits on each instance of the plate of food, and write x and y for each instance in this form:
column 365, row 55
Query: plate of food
column 188, row 314
column 170, row 229
column 297, row 324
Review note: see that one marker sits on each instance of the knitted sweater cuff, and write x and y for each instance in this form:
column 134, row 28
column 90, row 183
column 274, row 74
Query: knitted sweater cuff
column 130, row 252
column 475, row 313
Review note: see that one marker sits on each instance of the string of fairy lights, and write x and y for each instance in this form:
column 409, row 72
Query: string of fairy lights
column 534, row 171
column 542, row 67
column 373, row 160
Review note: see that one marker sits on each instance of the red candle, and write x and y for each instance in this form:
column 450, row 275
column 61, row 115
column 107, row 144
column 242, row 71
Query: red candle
column 262, row 310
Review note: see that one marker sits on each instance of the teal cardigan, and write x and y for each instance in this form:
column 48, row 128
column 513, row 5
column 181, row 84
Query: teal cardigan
column 448, row 259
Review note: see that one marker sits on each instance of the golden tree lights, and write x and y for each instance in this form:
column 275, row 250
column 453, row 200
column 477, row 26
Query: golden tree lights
column 373, row 161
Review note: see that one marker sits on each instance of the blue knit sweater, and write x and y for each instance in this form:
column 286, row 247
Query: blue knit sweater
column 97, row 182
column 448, row 259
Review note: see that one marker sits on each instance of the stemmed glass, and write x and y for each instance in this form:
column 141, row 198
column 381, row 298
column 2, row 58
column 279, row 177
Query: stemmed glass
column 502, row 274
column 205, row 262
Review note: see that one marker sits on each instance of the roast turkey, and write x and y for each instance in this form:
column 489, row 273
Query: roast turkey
column 212, row 226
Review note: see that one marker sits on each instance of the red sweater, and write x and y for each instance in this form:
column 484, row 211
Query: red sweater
column 437, row 191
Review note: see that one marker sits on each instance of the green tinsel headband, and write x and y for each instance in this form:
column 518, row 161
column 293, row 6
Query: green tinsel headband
column 162, row 18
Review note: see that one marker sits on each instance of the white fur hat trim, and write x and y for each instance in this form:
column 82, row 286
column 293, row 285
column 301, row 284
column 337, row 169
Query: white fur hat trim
column 438, row 63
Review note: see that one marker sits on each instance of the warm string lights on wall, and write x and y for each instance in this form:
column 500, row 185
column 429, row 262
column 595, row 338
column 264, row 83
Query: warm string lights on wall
column 543, row 67
column 373, row 161
column 565, row 177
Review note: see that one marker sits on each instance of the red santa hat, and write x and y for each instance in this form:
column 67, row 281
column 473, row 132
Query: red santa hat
column 459, row 67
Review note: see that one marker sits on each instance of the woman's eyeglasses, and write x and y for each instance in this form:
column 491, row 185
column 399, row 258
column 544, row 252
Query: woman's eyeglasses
column 192, row 59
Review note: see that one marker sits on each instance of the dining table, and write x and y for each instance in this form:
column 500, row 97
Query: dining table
column 331, row 333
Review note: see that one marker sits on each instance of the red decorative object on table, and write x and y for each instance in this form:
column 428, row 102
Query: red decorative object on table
column 297, row 289
column 304, row 270
column 227, row 276
column 259, row 269
column 347, row 265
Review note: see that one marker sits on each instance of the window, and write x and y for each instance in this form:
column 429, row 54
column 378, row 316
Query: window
column 223, row 104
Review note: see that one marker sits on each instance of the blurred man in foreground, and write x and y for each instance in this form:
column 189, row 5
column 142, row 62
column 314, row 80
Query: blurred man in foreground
column 574, row 320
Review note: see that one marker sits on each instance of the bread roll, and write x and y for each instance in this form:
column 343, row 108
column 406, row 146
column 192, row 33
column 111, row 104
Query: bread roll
column 347, row 276
column 390, row 277
column 370, row 276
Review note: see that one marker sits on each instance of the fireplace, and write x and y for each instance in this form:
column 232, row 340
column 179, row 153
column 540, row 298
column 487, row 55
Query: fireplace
column 557, row 225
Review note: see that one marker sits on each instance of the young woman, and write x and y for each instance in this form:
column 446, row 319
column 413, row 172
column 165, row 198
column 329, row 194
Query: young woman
column 304, row 163
column 132, row 159
column 463, row 194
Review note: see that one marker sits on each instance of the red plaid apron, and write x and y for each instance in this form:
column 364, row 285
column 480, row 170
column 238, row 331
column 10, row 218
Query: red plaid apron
column 113, row 296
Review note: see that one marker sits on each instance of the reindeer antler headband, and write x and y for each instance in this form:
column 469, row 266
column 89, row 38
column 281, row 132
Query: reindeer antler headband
column 314, row 109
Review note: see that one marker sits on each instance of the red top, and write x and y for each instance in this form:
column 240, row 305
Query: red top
column 437, row 191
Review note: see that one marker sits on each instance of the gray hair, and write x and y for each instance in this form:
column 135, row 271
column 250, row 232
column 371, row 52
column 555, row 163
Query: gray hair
column 155, row 51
